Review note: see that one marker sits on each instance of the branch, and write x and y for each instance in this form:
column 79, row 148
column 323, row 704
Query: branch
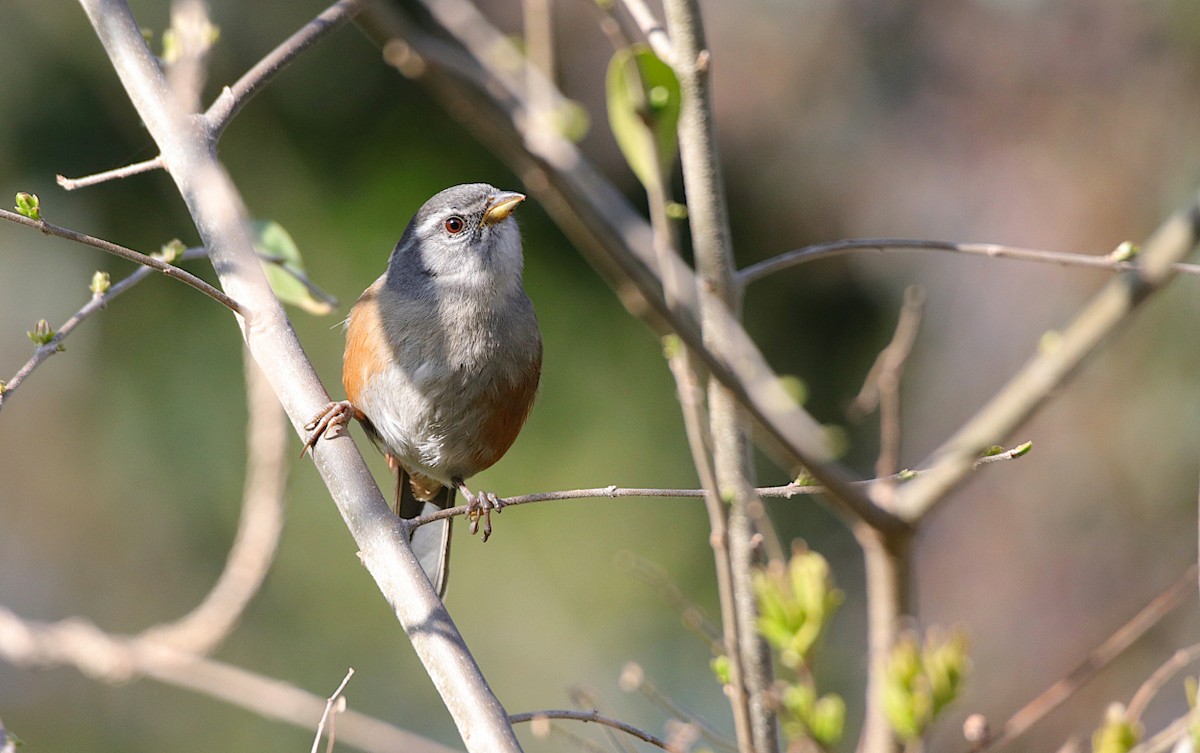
column 785, row 491
column 1158, row 679
column 80, row 644
column 331, row 710
column 588, row 716
column 233, row 98
column 1109, row 262
column 187, row 278
column 1112, row 647
column 217, row 209
column 1108, row 309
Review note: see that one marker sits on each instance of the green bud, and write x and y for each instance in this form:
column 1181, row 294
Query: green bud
column 945, row 666
column 1189, row 690
column 3, row 387
column 795, row 387
column 1050, row 341
column 798, row 700
column 993, row 450
column 41, row 334
column 1022, row 449
column 676, row 210
column 795, row 603
column 907, row 474
column 720, row 668
column 28, row 206
column 828, row 720
column 170, row 251
column 672, row 345
column 100, row 284
column 1117, row 734
column 1124, row 252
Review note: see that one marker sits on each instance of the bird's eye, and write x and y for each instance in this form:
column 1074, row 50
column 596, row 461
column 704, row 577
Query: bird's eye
column 454, row 224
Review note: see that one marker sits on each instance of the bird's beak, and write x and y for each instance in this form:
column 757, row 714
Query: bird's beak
column 501, row 206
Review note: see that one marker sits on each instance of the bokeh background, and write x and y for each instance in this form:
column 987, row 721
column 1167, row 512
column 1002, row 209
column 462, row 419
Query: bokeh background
column 1067, row 125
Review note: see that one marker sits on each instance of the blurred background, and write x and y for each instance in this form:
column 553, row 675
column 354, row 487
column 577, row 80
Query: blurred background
column 1067, row 125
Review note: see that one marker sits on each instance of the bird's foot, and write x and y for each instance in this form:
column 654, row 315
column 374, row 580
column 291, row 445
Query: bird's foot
column 327, row 423
column 479, row 507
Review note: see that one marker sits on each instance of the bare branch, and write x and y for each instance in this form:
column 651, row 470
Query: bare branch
column 233, row 98
column 137, row 168
column 652, row 30
column 331, row 711
column 1158, row 679
column 77, row 643
column 1107, row 262
column 1108, row 309
column 1112, row 647
column 259, row 528
column 589, row 716
column 187, row 278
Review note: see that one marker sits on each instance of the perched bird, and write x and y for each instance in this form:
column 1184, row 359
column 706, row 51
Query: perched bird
column 443, row 358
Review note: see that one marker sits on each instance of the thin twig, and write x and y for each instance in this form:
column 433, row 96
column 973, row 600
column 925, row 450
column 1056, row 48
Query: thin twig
column 648, row 689
column 187, row 278
column 587, row 698
column 654, row 32
column 1107, row 262
column 690, row 613
column 233, row 98
column 1166, row 739
column 588, row 716
column 786, row 491
column 1112, row 306
column 137, row 168
column 1112, row 647
column 882, row 389
column 329, row 710
column 1159, row 678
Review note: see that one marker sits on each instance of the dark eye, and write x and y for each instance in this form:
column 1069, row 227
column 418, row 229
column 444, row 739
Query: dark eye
column 454, row 224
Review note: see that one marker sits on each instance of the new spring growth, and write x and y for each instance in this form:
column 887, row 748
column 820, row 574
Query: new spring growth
column 1190, row 687
column 795, row 603
column 804, row 715
column 100, row 284
column 42, row 333
column 1117, row 734
column 28, row 206
column 922, row 680
column 170, row 251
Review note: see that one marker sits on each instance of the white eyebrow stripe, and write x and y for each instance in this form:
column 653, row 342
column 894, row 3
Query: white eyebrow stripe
column 428, row 225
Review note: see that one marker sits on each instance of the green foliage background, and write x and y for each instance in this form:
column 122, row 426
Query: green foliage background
column 121, row 460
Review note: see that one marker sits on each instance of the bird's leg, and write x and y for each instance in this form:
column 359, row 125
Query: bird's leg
column 328, row 422
column 479, row 506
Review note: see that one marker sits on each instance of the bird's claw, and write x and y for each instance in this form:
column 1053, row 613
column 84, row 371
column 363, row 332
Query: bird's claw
column 327, row 423
column 480, row 506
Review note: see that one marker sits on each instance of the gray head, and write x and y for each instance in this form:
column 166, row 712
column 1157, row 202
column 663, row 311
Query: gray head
column 463, row 236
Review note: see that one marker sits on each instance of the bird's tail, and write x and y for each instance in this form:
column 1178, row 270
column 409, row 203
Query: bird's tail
column 431, row 542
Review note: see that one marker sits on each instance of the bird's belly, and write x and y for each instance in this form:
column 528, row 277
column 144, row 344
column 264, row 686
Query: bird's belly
column 428, row 420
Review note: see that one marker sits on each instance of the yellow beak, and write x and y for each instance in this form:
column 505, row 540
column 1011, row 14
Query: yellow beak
column 501, row 206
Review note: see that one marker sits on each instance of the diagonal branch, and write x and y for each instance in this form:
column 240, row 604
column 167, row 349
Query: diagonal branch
column 216, row 207
column 170, row 270
column 1108, row 309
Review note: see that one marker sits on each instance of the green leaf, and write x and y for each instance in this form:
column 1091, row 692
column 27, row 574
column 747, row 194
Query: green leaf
column 643, row 110
column 285, row 269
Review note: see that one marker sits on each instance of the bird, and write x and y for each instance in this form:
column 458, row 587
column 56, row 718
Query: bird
column 443, row 360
